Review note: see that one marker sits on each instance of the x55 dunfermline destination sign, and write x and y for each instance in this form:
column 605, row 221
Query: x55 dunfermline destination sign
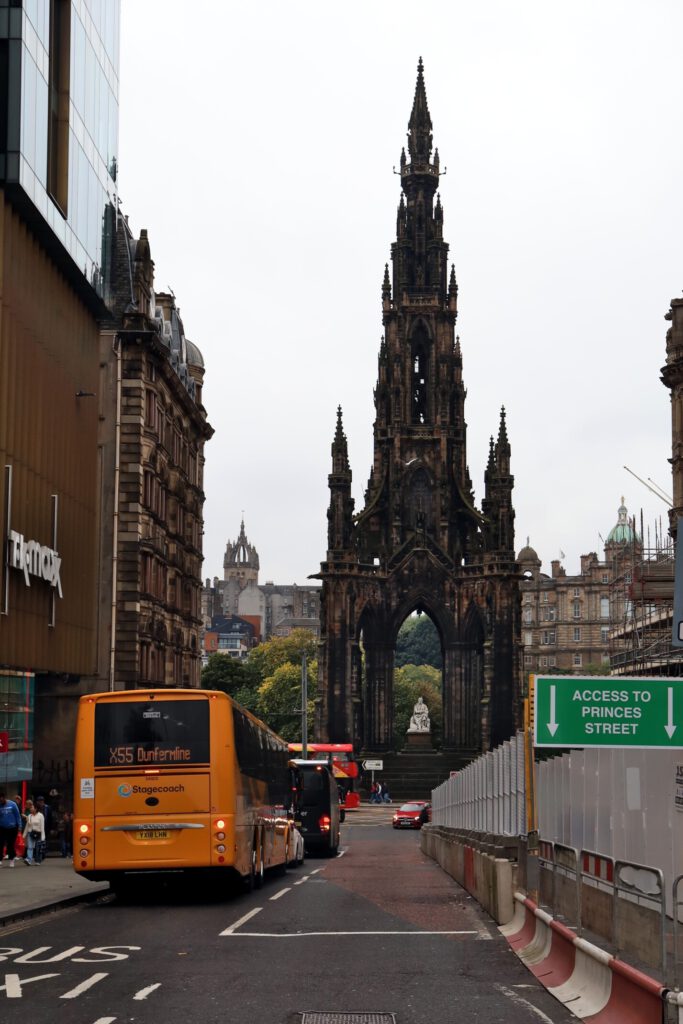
column 576, row 711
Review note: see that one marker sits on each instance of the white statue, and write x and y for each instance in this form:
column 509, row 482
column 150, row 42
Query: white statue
column 420, row 718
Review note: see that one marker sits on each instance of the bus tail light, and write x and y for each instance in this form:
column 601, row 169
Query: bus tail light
column 324, row 823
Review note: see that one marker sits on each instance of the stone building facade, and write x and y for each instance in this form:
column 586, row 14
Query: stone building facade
column 567, row 620
column 153, row 428
column 419, row 542
column 277, row 608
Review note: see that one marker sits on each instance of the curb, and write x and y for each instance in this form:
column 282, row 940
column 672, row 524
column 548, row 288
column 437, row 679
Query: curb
column 51, row 906
column 595, row 985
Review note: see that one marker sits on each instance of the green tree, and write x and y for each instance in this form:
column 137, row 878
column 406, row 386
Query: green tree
column 281, row 650
column 279, row 701
column 223, row 673
column 233, row 677
column 411, row 682
column 418, row 643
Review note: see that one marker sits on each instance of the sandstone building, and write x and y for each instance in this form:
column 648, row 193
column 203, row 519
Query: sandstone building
column 567, row 620
column 153, row 428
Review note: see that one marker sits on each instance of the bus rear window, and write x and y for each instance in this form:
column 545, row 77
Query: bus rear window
column 316, row 787
column 151, row 734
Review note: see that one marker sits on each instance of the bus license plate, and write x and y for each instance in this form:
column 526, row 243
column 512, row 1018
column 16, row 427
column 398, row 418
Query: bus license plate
column 152, row 833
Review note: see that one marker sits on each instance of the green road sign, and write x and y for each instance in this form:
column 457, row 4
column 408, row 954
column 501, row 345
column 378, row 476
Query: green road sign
column 586, row 711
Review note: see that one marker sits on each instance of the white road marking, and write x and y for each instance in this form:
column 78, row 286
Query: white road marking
column 144, row 992
column 13, row 984
column 302, row 880
column 315, row 872
column 30, row 957
column 242, row 920
column 303, row 935
column 521, row 1001
column 341, row 853
column 281, row 893
column 105, row 1020
column 84, row 986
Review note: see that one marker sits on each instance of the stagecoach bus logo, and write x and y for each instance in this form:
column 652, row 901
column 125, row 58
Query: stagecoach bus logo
column 125, row 789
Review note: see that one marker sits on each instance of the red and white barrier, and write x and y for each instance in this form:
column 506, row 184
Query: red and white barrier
column 595, row 866
column 597, row 986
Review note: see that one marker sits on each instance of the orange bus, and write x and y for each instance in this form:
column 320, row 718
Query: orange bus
column 178, row 780
column 344, row 767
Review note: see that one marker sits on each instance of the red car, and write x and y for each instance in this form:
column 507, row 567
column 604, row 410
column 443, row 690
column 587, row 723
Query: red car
column 413, row 815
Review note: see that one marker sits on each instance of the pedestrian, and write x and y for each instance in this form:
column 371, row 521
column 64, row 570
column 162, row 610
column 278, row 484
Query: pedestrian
column 34, row 834
column 67, row 841
column 64, row 826
column 46, row 811
column 375, row 793
column 386, row 799
column 10, row 823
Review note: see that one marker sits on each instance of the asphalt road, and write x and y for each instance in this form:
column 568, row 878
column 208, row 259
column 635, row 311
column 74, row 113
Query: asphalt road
column 379, row 930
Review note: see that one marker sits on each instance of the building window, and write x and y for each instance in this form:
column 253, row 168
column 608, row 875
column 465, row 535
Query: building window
column 544, row 662
column 577, row 634
column 528, row 615
column 548, row 636
column 528, row 638
column 58, row 104
column 577, row 661
column 545, row 598
column 552, row 661
column 605, row 659
column 576, row 609
column 604, row 607
column 528, row 661
column 605, row 578
column 604, row 634
column 627, row 577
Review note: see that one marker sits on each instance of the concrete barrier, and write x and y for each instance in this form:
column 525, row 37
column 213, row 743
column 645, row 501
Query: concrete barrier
column 489, row 879
column 595, row 985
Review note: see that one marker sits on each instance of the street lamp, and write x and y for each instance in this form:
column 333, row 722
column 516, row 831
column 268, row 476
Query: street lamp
column 304, row 708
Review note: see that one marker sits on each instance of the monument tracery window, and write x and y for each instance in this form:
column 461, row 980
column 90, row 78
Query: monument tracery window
column 420, row 374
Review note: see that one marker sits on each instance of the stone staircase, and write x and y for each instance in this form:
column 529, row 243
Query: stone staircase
column 413, row 775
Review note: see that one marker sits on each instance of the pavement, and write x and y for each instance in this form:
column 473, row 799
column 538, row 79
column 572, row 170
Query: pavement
column 27, row 891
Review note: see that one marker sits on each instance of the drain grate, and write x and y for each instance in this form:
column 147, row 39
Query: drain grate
column 322, row 1017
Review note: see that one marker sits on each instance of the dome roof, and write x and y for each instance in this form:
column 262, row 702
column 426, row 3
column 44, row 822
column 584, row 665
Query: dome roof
column 623, row 532
column 194, row 356
column 528, row 554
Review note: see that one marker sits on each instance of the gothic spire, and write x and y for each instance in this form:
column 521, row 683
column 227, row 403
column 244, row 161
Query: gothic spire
column 420, row 124
column 386, row 284
column 492, row 460
column 502, row 430
column 340, row 451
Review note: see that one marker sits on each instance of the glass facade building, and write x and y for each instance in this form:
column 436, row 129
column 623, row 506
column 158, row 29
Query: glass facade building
column 59, row 62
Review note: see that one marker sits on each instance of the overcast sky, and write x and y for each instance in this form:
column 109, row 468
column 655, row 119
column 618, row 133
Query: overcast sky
column 257, row 142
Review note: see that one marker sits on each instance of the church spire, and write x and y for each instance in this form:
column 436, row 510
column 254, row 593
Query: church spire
column 420, row 124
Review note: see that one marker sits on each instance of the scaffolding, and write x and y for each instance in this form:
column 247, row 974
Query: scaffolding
column 641, row 605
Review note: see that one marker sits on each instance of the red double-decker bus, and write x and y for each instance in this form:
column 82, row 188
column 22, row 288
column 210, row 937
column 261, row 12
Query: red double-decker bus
column 344, row 767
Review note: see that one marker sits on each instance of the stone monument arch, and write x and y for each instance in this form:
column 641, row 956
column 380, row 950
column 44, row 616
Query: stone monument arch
column 420, row 541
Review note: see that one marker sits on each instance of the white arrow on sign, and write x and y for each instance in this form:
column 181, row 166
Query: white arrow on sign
column 373, row 766
column 670, row 727
column 552, row 724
